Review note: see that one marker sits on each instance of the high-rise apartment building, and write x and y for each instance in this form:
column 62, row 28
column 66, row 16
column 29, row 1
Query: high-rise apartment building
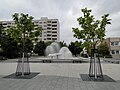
column 51, row 28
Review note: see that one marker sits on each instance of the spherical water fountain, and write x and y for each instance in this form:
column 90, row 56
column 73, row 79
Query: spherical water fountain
column 54, row 50
column 56, row 47
column 65, row 53
column 49, row 50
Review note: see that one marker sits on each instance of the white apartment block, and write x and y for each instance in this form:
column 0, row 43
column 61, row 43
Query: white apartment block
column 51, row 28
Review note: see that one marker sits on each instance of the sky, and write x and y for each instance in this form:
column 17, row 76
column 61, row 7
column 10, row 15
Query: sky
column 66, row 11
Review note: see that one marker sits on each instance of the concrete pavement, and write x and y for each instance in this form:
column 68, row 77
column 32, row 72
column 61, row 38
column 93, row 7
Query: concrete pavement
column 58, row 76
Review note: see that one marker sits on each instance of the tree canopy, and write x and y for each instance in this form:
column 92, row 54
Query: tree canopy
column 103, row 49
column 2, row 33
column 23, row 27
column 40, row 48
column 75, row 48
column 24, row 31
column 91, row 29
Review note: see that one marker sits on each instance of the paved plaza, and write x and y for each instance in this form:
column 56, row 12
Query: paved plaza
column 58, row 76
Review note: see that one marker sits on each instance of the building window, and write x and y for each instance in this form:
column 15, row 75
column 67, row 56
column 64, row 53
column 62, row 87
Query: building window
column 54, row 32
column 8, row 26
column 44, row 35
column 45, row 25
column 9, row 23
column 44, row 22
column 48, row 28
column 40, row 35
column 54, row 28
column 113, row 52
column 48, row 34
column 54, row 25
column 36, row 22
column 48, row 21
column 54, row 38
column 45, row 32
column 116, row 43
column 4, row 27
column 112, row 43
column 40, row 22
column 48, row 31
column 54, row 35
column 4, row 23
column 36, row 25
column 54, row 21
column 117, row 52
column 48, row 24
column 48, row 38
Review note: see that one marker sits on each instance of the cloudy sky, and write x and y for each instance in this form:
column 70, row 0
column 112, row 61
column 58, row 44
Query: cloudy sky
column 67, row 11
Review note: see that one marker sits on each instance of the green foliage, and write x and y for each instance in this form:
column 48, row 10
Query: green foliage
column 9, row 47
column 23, row 28
column 48, row 43
column 40, row 48
column 2, row 33
column 75, row 48
column 91, row 29
column 1, row 28
column 28, row 45
column 20, row 36
column 24, row 32
column 103, row 49
column 62, row 44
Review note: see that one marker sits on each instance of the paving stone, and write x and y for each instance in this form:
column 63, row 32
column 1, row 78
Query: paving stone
column 57, row 89
column 64, row 87
column 76, row 88
column 58, row 77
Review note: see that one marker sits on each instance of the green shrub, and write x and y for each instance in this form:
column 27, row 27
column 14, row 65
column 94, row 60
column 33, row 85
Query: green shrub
column 108, row 56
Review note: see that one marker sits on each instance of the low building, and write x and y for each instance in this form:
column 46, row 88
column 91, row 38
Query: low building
column 114, row 46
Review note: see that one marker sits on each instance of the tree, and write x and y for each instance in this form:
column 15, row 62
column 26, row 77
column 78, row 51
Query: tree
column 62, row 44
column 1, row 32
column 1, row 39
column 24, row 30
column 9, row 47
column 48, row 43
column 40, row 48
column 103, row 49
column 28, row 45
column 75, row 48
column 91, row 29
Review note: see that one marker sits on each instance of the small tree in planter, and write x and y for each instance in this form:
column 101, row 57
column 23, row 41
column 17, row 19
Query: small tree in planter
column 22, row 31
column 91, row 31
